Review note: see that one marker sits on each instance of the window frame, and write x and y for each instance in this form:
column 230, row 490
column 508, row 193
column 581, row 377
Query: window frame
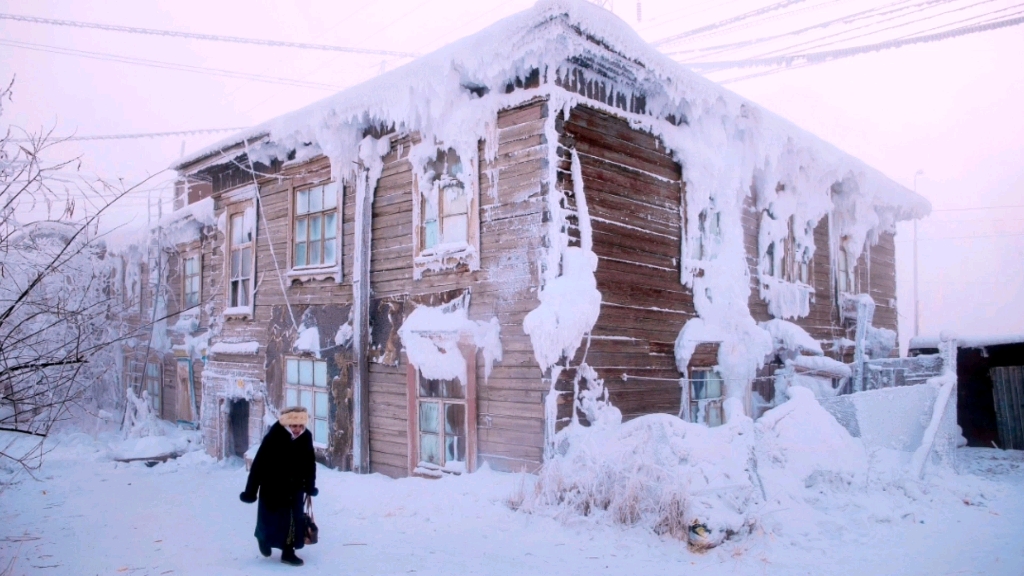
column 792, row 269
column 316, row 271
column 155, row 401
column 450, row 255
column 415, row 463
column 313, row 389
column 238, row 209
column 185, row 276
column 714, row 403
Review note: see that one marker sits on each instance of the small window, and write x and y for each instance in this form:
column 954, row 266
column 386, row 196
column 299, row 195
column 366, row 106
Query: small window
column 242, row 236
column 446, row 204
column 706, row 389
column 315, row 227
column 191, row 282
column 442, row 425
column 445, row 214
column 845, row 272
column 153, row 387
column 710, row 234
column 306, row 386
column 783, row 261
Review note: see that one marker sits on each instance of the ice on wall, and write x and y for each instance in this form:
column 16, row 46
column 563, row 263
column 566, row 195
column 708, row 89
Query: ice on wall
column 431, row 336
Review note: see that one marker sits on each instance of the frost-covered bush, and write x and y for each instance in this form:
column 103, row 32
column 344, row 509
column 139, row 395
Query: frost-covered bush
column 699, row 484
column 59, row 307
column 673, row 477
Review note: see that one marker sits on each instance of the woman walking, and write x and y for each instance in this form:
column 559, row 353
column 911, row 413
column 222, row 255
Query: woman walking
column 283, row 473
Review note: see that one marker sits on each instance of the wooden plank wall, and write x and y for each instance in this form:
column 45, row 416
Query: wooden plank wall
column 633, row 190
column 510, row 402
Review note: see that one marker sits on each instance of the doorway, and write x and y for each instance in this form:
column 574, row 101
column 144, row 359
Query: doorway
column 238, row 428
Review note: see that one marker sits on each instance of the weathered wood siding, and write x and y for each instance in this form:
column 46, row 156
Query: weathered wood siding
column 510, row 406
column 633, row 191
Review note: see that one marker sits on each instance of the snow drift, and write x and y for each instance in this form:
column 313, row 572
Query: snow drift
column 699, row 484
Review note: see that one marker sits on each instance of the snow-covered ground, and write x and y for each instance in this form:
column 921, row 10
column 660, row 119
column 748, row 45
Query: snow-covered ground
column 86, row 514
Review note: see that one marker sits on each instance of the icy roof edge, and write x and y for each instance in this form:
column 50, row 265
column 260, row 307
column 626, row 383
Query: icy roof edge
column 545, row 35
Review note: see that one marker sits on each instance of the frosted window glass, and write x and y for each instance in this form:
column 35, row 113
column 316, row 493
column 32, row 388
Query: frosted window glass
column 293, row 371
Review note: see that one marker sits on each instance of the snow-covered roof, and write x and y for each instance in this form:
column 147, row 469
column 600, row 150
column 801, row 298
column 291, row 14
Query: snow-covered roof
column 442, row 95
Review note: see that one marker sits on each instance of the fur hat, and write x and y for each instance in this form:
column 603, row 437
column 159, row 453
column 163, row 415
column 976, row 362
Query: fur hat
column 294, row 416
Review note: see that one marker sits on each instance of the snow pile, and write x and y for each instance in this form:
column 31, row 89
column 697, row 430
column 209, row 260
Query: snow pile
column 431, row 336
column 673, row 477
column 149, row 437
column 700, row 484
column 789, row 336
column 247, row 348
column 308, row 340
column 800, row 445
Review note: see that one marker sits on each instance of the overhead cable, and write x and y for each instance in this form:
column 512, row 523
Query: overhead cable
column 168, row 65
column 207, row 37
column 746, row 15
column 133, row 136
column 828, row 55
column 870, row 13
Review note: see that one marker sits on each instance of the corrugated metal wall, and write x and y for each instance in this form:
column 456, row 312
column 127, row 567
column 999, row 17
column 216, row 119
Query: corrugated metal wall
column 1008, row 394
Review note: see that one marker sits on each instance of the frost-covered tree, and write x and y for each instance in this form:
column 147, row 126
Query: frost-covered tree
column 60, row 306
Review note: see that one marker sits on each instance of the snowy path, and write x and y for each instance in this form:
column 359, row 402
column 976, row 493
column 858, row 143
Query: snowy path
column 87, row 515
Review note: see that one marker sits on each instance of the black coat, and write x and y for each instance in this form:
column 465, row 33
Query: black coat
column 282, row 473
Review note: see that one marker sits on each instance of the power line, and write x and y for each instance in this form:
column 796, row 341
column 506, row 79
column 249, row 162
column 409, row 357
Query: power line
column 134, row 136
column 829, row 55
column 727, row 22
column 207, row 37
column 167, row 65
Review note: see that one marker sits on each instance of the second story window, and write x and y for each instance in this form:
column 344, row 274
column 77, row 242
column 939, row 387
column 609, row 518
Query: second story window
column 315, row 237
column 242, row 236
column 446, row 222
column 191, row 281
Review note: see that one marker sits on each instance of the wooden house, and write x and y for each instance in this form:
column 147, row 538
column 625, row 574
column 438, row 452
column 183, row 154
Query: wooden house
column 450, row 262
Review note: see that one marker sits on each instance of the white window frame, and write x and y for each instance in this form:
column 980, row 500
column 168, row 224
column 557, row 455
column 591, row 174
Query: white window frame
column 305, row 271
column 447, row 253
column 792, row 268
column 197, row 276
column 233, row 308
column 311, row 390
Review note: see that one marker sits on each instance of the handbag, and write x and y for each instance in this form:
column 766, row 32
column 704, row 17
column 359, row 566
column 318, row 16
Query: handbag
column 312, row 531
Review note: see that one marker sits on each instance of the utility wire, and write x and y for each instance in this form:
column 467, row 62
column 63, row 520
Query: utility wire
column 207, row 37
column 167, row 65
column 829, row 55
column 134, row 136
column 727, row 22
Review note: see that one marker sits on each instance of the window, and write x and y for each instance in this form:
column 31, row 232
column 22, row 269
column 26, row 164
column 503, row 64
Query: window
column 153, row 379
column 191, row 282
column 441, row 425
column 782, row 260
column 306, row 386
column 242, row 235
column 315, row 238
column 710, row 227
column 845, row 272
column 706, row 387
column 447, row 223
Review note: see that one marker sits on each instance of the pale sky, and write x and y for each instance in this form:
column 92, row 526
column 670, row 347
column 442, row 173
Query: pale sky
column 952, row 108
